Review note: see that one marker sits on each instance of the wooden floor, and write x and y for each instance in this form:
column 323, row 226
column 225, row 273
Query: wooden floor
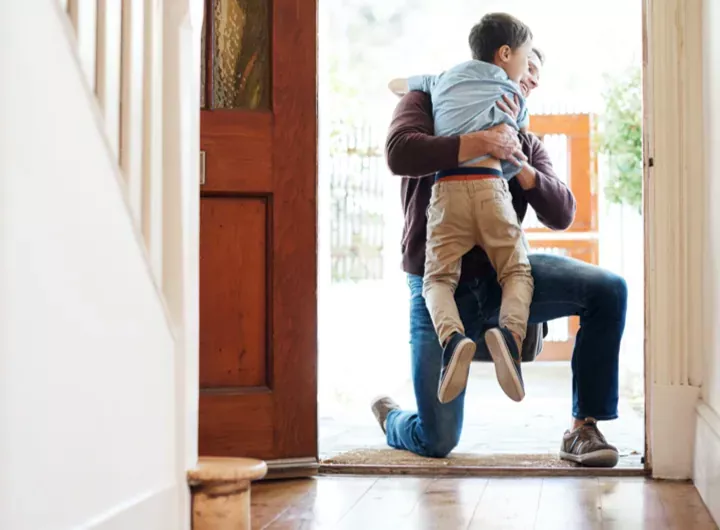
column 366, row 503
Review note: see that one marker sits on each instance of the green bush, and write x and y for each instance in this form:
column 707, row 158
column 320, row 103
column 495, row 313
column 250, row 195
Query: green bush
column 620, row 138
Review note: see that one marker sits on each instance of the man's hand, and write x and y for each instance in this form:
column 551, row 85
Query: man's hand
column 503, row 144
column 510, row 105
column 500, row 142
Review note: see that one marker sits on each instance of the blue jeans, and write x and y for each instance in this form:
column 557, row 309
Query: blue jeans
column 563, row 287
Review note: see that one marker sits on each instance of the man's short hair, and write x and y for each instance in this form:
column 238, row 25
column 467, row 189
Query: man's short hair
column 494, row 31
column 540, row 55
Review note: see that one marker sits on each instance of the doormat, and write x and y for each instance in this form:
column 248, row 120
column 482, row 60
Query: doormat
column 385, row 457
column 404, row 462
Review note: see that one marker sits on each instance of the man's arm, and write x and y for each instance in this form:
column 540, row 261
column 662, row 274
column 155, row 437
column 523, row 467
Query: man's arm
column 412, row 150
column 551, row 199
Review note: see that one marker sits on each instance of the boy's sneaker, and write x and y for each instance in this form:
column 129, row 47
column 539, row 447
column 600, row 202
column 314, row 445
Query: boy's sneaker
column 587, row 446
column 504, row 352
column 457, row 356
column 381, row 407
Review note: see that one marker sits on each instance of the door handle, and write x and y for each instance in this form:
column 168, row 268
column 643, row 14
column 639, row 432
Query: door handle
column 202, row 167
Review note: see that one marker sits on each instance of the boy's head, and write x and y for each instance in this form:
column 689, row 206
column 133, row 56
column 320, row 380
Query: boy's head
column 503, row 40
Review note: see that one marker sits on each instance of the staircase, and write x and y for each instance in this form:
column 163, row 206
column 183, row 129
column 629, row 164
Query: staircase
column 137, row 90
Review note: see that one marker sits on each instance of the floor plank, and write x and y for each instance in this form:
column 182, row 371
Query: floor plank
column 683, row 507
column 508, row 503
column 407, row 503
column 325, row 504
column 449, row 503
column 271, row 499
column 569, row 503
column 632, row 502
column 388, row 504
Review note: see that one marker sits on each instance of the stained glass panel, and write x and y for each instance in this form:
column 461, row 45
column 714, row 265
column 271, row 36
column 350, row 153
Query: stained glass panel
column 241, row 54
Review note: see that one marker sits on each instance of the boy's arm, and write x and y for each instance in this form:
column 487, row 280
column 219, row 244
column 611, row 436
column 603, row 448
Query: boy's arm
column 423, row 83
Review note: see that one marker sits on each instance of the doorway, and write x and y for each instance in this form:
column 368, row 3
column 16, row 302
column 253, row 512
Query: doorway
column 588, row 113
column 258, row 360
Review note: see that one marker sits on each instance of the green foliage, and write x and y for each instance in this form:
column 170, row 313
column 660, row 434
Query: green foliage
column 621, row 138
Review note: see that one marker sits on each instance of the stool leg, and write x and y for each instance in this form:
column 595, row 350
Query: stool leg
column 222, row 506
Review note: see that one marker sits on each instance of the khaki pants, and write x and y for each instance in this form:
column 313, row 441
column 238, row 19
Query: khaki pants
column 462, row 214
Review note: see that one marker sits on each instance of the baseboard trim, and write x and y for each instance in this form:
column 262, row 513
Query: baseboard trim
column 706, row 472
column 152, row 510
column 672, row 430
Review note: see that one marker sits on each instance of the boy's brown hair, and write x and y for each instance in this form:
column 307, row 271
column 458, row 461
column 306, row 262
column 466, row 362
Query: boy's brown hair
column 494, row 31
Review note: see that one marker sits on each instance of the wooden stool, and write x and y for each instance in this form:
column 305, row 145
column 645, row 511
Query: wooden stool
column 221, row 492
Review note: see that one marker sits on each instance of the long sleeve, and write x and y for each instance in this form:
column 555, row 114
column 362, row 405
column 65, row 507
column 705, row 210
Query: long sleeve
column 523, row 120
column 551, row 199
column 423, row 83
column 411, row 149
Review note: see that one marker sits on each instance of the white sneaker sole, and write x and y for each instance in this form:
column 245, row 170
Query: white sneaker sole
column 504, row 365
column 601, row 458
column 457, row 372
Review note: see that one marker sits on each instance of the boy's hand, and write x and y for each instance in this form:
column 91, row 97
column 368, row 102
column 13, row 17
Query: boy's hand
column 399, row 87
column 510, row 105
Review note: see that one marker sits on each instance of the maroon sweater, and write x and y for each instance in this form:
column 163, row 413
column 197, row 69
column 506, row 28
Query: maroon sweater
column 412, row 150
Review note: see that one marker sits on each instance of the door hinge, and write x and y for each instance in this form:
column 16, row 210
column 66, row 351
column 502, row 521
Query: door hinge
column 202, row 167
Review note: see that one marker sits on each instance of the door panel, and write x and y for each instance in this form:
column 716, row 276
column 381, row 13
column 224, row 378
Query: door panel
column 258, row 246
column 240, row 351
column 242, row 143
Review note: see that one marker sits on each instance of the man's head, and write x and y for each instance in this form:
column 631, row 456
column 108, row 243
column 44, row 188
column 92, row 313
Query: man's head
column 531, row 79
column 503, row 40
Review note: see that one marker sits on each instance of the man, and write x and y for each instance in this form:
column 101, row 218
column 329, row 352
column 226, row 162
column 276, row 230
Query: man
column 563, row 286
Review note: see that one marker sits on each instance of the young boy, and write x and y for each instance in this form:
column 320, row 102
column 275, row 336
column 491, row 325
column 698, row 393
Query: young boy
column 472, row 205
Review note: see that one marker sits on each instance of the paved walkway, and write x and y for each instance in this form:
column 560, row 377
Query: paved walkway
column 493, row 423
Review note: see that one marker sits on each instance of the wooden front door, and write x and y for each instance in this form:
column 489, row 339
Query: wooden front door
column 258, row 237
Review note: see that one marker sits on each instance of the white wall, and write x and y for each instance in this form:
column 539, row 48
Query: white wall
column 87, row 375
column 711, row 98
column 707, row 444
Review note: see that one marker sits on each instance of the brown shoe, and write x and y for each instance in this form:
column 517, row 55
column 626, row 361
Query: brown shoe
column 587, row 446
column 381, row 407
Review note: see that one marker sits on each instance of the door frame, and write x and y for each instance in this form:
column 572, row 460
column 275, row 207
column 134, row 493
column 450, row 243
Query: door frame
column 675, row 184
column 674, row 188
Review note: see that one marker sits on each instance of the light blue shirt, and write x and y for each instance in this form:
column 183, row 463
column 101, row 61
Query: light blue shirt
column 464, row 100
